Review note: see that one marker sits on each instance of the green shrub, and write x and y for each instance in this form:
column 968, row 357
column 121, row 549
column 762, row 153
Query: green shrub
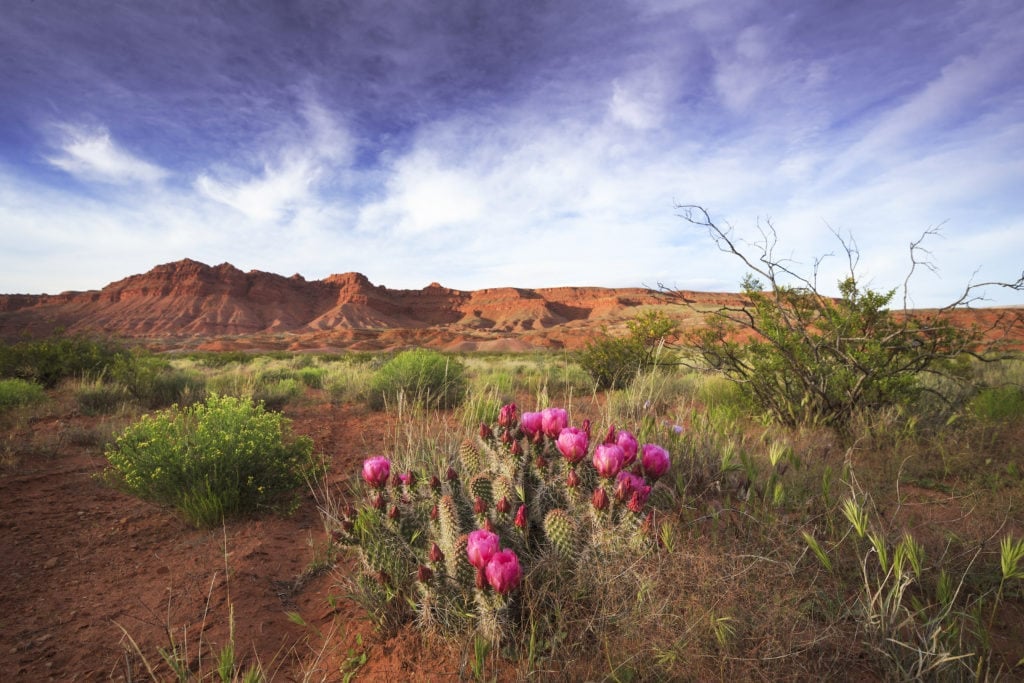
column 277, row 394
column 18, row 392
column 225, row 457
column 51, row 360
column 312, row 377
column 426, row 377
column 153, row 383
column 998, row 404
column 613, row 362
column 96, row 397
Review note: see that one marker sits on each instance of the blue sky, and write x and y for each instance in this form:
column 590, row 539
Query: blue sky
column 483, row 143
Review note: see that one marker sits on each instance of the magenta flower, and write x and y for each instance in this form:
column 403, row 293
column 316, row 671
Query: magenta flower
column 503, row 572
column 481, row 546
column 629, row 446
column 655, row 460
column 507, row 415
column 626, row 483
column 553, row 421
column 573, row 444
column 608, row 459
column 532, row 423
column 376, row 470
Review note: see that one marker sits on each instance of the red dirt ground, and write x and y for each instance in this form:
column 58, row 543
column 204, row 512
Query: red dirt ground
column 79, row 561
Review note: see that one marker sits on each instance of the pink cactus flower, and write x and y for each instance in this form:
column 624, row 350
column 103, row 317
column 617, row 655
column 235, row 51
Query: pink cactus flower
column 655, row 460
column 507, row 415
column 481, row 546
column 553, row 421
column 629, row 446
column 407, row 478
column 608, row 459
column 573, row 444
column 532, row 423
column 503, row 572
column 376, row 471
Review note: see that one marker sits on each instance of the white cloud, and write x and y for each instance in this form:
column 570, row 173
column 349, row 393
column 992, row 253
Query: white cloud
column 268, row 196
column 90, row 154
column 295, row 160
column 639, row 100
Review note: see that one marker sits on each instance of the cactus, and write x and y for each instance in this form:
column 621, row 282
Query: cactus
column 562, row 515
column 469, row 456
column 480, row 487
column 562, row 531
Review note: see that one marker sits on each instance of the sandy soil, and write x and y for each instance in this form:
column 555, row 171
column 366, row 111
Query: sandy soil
column 80, row 561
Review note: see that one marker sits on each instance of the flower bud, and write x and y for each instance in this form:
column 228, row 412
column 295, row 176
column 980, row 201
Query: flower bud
column 521, row 517
column 435, row 554
column 517, row 449
column 610, row 436
column 507, row 415
column 423, row 574
column 572, row 480
column 451, row 475
column 433, row 514
column 489, row 525
column 586, row 428
column 393, row 512
column 481, row 578
column 479, row 506
column 541, row 462
column 485, row 432
column 435, row 483
column 408, row 479
column 600, row 499
column 377, row 501
column 504, row 506
column 638, row 499
column 506, row 436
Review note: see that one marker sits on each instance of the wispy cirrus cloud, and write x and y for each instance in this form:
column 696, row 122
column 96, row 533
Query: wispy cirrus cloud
column 90, row 154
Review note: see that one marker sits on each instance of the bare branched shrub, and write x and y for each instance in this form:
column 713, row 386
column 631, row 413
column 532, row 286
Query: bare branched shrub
column 806, row 358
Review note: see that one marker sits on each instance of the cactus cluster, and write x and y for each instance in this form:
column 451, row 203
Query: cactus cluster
column 456, row 544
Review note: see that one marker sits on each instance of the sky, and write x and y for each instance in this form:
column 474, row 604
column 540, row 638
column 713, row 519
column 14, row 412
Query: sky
column 486, row 143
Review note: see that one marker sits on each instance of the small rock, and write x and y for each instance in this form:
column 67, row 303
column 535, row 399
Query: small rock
column 51, row 563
